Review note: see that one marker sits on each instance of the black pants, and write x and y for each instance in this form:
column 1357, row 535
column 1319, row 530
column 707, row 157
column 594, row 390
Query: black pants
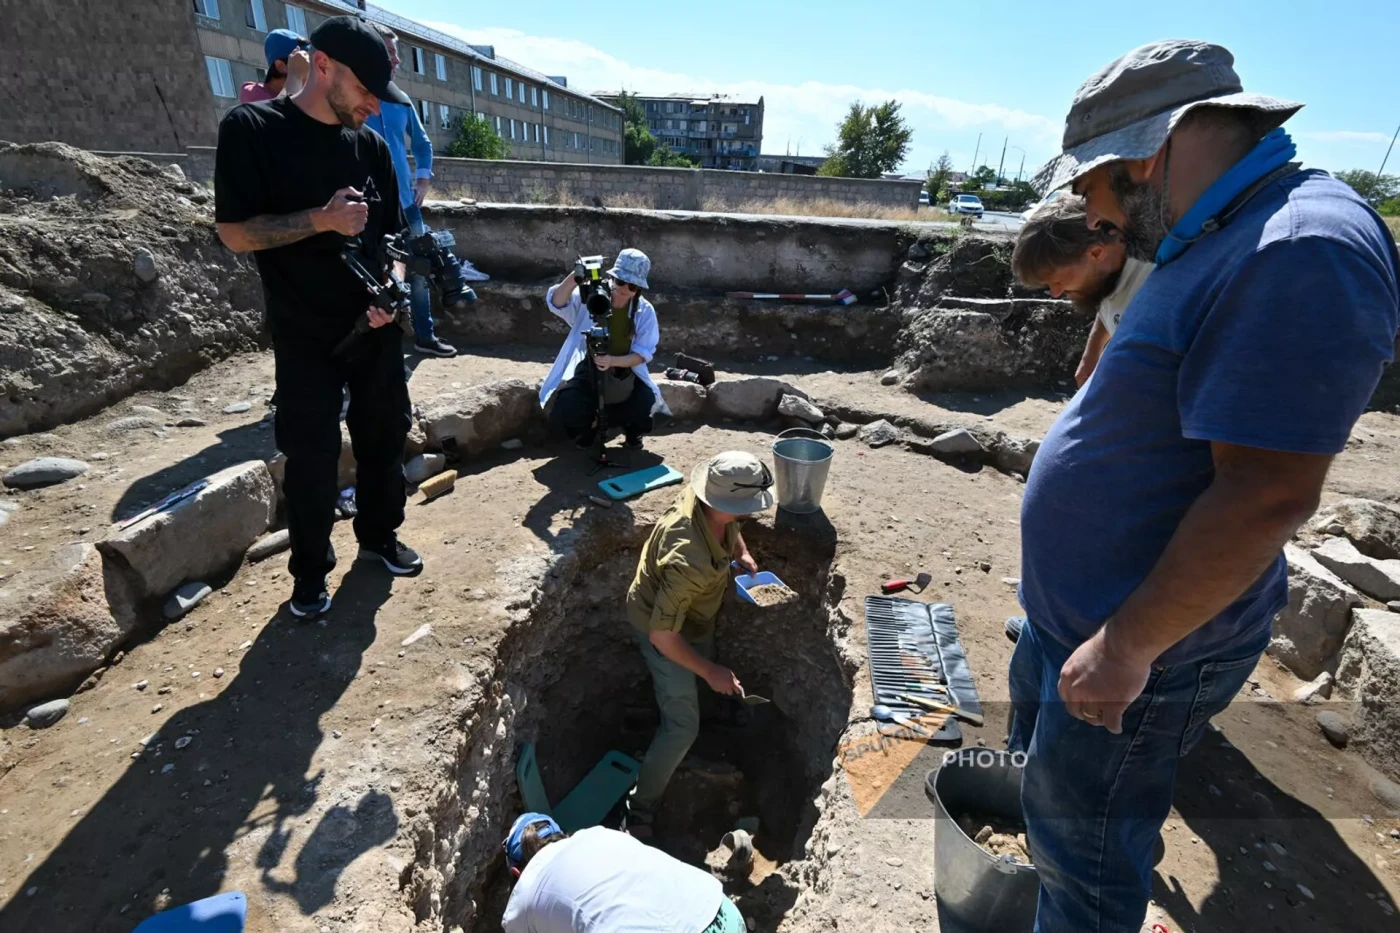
column 310, row 383
column 576, row 408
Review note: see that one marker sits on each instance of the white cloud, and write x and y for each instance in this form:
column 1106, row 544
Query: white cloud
column 802, row 116
column 1346, row 136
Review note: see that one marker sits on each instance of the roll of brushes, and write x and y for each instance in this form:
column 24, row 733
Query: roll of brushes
column 443, row 482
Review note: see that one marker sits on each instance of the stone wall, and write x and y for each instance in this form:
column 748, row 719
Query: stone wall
column 708, row 253
column 682, row 189
column 100, row 75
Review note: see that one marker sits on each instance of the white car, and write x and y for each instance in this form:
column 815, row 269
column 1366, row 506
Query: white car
column 923, row 199
column 1026, row 214
column 966, row 204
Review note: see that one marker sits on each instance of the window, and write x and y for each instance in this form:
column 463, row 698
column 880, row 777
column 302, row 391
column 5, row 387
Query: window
column 296, row 20
column 419, row 65
column 512, row 125
column 476, row 77
column 481, row 115
column 746, row 118
column 209, row 8
column 220, row 77
column 546, row 99
column 495, row 89
column 510, row 88
column 444, row 116
column 522, row 92
column 546, row 132
column 441, row 63
column 425, row 112
column 578, row 141
column 534, row 97
column 498, row 126
column 537, row 132
column 254, row 16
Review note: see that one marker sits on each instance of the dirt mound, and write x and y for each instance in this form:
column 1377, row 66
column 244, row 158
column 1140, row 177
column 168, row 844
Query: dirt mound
column 111, row 280
column 967, row 324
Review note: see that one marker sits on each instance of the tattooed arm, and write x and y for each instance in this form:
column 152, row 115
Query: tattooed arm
column 345, row 213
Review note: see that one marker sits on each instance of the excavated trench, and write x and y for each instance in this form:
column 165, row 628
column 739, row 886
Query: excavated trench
column 571, row 680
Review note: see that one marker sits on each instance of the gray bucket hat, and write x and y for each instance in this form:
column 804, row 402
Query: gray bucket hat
column 632, row 266
column 1129, row 108
column 735, row 482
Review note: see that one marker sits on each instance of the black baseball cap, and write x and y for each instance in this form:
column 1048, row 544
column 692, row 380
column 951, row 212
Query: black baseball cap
column 355, row 44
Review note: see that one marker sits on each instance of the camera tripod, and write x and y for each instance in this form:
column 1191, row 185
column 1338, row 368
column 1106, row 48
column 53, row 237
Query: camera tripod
column 598, row 451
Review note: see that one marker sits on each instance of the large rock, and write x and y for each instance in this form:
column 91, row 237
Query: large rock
column 196, row 538
column 1370, row 672
column 1373, row 527
column 478, row 418
column 1309, row 631
column 45, row 471
column 424, row 466
column 266, row 546
column 1377, row 578
column 958, row 441
column 794, row 406
column 753, row 398
column 65, row 632
column 879, row 433
column 685, row 399
column 1016, row 454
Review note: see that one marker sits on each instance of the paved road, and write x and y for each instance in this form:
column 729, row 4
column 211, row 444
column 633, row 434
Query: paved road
column 1010, row 222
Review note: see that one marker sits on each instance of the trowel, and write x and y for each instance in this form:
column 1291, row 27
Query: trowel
column 899, row 586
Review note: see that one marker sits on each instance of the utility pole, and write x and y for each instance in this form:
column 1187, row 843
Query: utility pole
column 1023, row 161
column 1002, row 163
column 975, row 154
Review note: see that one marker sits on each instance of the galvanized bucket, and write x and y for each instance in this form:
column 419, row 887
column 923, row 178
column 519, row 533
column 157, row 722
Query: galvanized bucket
column 800, row 467
column 983, row 893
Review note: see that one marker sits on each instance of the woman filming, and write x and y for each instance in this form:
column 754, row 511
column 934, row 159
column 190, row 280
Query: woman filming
column 630, row 396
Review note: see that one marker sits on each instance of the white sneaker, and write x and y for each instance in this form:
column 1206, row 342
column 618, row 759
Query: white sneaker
column 472, row 274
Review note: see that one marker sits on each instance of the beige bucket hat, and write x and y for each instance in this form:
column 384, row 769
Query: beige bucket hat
column 733, row 482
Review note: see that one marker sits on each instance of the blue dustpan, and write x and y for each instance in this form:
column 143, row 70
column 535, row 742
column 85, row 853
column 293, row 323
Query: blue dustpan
column 746, row 580
column 222, row 913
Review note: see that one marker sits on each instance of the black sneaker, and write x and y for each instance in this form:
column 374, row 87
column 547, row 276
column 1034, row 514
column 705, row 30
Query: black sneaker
column 435, row 347
column 633, row 443
column 310, row 598
column 400, row 559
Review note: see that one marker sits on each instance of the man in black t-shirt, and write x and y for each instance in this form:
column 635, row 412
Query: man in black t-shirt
column 294, row 178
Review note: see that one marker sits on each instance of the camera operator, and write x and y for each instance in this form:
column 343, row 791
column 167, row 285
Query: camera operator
column 295, row 215
column 629, row 394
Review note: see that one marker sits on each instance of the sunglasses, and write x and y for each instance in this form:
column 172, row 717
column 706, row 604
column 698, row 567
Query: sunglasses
column 763, row 483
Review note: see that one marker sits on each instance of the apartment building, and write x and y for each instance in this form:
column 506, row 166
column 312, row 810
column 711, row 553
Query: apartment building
column 538, row 116
column 716, row 131
column 158, row 75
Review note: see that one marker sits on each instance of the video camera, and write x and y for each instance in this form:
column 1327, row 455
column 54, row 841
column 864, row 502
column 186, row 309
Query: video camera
column 595, row 291
column 429, row 255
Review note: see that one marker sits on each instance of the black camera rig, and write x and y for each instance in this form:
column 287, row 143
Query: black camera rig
column 428, row 254
column 595, row 292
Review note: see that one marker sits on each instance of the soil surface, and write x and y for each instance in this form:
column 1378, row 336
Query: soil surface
column 320, row 755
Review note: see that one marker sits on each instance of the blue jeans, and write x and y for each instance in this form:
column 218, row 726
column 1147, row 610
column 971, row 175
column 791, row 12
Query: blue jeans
column 421, row 301
column 1095, row 802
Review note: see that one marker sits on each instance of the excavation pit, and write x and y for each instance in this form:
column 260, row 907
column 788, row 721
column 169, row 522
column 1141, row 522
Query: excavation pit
column 583, row 689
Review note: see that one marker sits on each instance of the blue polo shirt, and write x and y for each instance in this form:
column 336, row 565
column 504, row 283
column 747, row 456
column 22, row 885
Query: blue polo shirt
column 1271, row 332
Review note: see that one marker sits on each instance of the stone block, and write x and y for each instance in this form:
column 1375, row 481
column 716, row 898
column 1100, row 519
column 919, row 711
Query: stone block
column 195, row 539
column 753, row 398
column 1377, row 578
column 478, row 418
column 1310, row 630
column 685, row 399
column 1370, row 672
column 1373, row 527
column 65, row 632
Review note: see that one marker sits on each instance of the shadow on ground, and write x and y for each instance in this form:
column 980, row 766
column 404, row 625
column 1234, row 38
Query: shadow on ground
column 161, row 837
column 236, row 445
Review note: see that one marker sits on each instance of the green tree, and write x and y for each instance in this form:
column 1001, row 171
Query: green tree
column 638, row 145
column 1366, row 184
column 985, row 175
column 664, row 157
column 869, row 141
column 938, row 175
column 478, row 139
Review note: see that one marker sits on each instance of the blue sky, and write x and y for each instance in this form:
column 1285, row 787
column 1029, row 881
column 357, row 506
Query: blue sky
column 958, row 71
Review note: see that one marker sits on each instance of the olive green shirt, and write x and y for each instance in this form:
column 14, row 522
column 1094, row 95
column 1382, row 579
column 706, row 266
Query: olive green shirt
column 682, row 574
column 620, row 331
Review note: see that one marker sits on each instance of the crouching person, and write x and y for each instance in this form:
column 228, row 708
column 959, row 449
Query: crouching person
column 674, row 600
column 629, row 394
column 601, row 879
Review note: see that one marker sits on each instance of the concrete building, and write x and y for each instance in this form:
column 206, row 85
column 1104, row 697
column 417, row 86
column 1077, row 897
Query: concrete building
column 157, row 76
column 790, row 165
column 715, row 131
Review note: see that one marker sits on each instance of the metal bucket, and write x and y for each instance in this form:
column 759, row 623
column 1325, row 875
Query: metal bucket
column 978, row 890
column 800, row 466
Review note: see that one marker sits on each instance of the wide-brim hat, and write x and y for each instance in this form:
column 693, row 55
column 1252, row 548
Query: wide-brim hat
column 1128, row 109
column 733, row 482
column 632, row 266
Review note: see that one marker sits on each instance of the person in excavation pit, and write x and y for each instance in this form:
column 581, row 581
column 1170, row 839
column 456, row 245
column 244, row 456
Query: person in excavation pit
column 601, row 879
column 629, row 392
column 673, row 602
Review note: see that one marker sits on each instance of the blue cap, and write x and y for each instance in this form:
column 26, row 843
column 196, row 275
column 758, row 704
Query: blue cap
column 280, row 44
column 512, row 845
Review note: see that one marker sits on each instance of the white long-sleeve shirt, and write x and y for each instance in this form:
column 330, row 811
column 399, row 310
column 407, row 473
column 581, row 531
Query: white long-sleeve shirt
column 575, row 347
